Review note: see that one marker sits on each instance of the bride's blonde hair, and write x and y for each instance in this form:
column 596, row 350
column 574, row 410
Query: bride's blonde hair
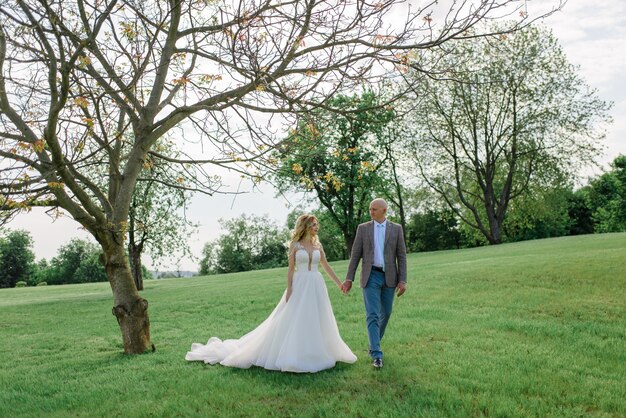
column 301, row 229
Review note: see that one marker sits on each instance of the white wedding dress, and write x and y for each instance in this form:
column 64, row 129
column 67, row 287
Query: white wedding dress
column 299, row 336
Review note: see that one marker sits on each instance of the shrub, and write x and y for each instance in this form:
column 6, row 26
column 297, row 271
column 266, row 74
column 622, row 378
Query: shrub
column 21, row 283
column 42, row 284
column 16, row 257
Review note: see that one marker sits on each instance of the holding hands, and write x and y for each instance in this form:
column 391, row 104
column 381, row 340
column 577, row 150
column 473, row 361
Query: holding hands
column 346, row 286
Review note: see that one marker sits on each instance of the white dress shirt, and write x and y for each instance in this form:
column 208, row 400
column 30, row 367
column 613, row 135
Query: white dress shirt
column 379, row 243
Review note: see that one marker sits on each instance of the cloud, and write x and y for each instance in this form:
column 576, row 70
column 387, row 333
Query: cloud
column 578, row 18
column 594, row 37
column 602, row 62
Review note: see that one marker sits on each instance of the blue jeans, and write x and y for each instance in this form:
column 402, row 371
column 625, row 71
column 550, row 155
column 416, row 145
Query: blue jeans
column 378, row 304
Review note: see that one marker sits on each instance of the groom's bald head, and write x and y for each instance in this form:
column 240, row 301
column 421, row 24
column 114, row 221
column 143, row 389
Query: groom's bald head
column 378, row 209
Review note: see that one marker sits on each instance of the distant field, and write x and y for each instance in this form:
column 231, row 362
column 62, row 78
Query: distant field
column 536, row 328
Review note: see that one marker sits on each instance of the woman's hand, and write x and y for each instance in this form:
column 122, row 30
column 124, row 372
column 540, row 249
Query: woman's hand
column 289, row 291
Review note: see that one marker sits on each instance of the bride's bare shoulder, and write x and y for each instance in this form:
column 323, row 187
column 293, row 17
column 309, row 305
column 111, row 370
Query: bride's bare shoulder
column 295, row 245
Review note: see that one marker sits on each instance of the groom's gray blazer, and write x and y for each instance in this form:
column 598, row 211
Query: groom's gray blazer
column 395, row 254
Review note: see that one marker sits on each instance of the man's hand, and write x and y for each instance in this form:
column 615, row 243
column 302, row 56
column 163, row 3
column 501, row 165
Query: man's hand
column 346, row 286
column 400, row 288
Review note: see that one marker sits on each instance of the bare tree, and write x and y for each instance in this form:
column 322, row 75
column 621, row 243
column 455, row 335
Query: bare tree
column 89, row 87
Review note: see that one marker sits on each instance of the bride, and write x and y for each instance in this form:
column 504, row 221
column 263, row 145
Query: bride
column 301, row 334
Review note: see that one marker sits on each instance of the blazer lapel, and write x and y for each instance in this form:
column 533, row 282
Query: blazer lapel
column 370, row 232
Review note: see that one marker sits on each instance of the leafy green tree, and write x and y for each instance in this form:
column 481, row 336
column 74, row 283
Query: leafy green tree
column 606, row 198
column 433, row 230
column 249, row 243
column 398, row 185
column 580, row 212
column 90, row 268
column 207, row 260
column 78, row 261
column 40, row 271
column 16, row 258
column 337, row 158
column 510, row 115
column 539, row 214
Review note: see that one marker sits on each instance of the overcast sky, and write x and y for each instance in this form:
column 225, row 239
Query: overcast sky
column 593, row 35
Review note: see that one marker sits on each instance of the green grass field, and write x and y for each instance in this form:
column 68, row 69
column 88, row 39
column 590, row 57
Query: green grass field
column 535, row 328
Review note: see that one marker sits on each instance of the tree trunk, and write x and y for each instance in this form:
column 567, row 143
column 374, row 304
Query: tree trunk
column 398, row 188
column 130, row 309
column 495, row 233
column 134, row 253
column 495, row 228
column 349, row 238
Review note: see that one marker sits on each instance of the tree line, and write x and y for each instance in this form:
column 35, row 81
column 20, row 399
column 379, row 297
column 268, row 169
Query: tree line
column 78, row 261
column 250, row 242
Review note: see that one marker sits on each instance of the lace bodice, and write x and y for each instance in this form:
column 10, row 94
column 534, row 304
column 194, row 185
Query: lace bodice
column 305, row 260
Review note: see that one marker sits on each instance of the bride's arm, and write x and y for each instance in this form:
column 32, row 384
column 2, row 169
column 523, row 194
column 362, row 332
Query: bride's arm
column 328, row 269
column 292, row 267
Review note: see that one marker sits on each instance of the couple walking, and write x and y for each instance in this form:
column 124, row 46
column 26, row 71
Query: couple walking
column 301, row 334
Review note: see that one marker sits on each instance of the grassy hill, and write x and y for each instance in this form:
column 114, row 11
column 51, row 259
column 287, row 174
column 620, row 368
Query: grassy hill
column 536, row 328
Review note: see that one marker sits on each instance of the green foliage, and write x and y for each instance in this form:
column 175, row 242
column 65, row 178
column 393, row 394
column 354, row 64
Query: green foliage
column 41, row 272
column 539, row 213
column 145, row 273
column 21, row 284
column 607, row 198
column 207, row 260
column 330, row 236
column 336, row 157
column 511, row 117
column 249, row 243
column 16, row 258
column 90, row 269
column 528, row 329
column 580, row 213
column 433, row 230
column 77, row 262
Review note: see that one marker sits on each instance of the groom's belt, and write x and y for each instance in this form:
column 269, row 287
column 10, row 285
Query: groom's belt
column 376, row 268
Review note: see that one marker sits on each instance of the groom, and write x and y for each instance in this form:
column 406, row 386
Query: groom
column 380, row 243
